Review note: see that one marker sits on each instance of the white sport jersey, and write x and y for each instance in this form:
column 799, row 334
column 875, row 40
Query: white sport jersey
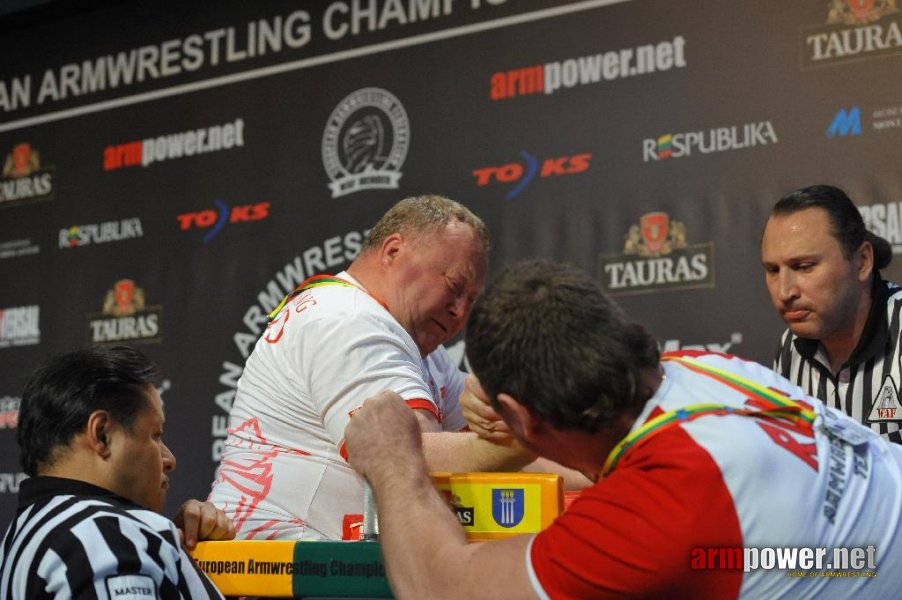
column 283, row 474
column 682, row 498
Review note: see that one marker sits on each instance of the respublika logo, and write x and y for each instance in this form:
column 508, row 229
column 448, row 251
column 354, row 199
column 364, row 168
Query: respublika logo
column 125, row 317
column 100, row 233
column 9, row 412
column 215, row 220
column 720, row 139
column 520, row 175
column 845, row 123
column 143, row 153
column 656, row 257
column 20, row 326
column 23, row 178
column 854, row 30
column 365, row 142
column 586, row 70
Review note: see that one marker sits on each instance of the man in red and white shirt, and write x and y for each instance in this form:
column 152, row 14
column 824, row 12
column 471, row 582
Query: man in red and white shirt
column 697, row 456
column 337, row 341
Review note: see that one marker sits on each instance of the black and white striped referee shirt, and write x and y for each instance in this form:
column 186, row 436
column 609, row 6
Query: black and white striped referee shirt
column 867, row 388
column 71, row 539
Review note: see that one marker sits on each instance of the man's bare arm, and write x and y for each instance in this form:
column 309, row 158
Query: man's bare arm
column 425, row 549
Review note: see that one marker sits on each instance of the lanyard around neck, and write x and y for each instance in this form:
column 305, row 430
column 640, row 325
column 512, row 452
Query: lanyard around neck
column 777, row 406
column 310, row 283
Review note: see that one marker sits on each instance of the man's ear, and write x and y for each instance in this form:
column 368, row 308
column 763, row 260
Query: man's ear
column 391, row 245
column 519, row 418
column 865, row 256
column 98, row 432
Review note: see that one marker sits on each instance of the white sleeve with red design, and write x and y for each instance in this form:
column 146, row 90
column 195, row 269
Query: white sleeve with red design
column 349, row 360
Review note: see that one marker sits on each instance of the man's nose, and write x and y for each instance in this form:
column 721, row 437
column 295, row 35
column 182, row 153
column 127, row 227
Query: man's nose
column 168, row 459
column 788, row 287
column 459, row 306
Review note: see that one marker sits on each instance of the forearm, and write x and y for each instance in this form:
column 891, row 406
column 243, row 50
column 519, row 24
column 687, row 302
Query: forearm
column 422, row 541
column 573, row 480
column 466, row 453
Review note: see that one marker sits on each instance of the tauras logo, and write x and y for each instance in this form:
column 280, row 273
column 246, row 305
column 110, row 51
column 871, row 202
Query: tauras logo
column 656, row 257
column 854, row 29
column 720, row 139
column 23, row 178
column 20, row 326
column 125, row 317
column 100, row 233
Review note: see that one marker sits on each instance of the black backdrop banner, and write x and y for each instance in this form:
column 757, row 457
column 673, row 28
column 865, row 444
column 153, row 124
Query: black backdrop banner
column 170, row 172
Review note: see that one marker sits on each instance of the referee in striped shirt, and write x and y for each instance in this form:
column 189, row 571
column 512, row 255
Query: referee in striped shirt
column 822, row 269
column 88, row 523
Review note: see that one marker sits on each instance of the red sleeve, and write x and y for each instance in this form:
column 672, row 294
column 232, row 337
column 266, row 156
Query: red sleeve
column 632, row 534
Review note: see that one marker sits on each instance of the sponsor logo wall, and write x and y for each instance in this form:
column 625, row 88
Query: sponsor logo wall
column 166, row 186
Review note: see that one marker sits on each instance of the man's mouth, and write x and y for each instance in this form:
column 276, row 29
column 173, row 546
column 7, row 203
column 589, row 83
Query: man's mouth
column 795, row 314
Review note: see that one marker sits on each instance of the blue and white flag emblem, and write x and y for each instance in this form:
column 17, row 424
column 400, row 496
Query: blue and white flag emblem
column 507, row 507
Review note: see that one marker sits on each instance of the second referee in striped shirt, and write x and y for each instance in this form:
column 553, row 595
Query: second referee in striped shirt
column 822, row 269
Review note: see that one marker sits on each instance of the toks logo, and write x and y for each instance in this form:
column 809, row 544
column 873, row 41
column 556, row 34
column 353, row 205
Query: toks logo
column 241, row 213
column 854, row 29
column 657, row 257
column 524, row 173
column 23, row 179
column 126, row 317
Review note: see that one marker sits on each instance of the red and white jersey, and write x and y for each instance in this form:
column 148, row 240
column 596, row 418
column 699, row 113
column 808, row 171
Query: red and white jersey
column 728, row 481
column 283, row 474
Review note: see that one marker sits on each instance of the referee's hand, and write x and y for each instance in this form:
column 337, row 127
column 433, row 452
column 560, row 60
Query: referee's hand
column 198, row 521
column 480, row 415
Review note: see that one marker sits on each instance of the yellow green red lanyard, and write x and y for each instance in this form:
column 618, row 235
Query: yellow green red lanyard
column 778, row 407
column 309, row 283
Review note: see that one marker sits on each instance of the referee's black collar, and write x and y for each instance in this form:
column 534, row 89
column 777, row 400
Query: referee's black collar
column 873, row 337
column 43, row 487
